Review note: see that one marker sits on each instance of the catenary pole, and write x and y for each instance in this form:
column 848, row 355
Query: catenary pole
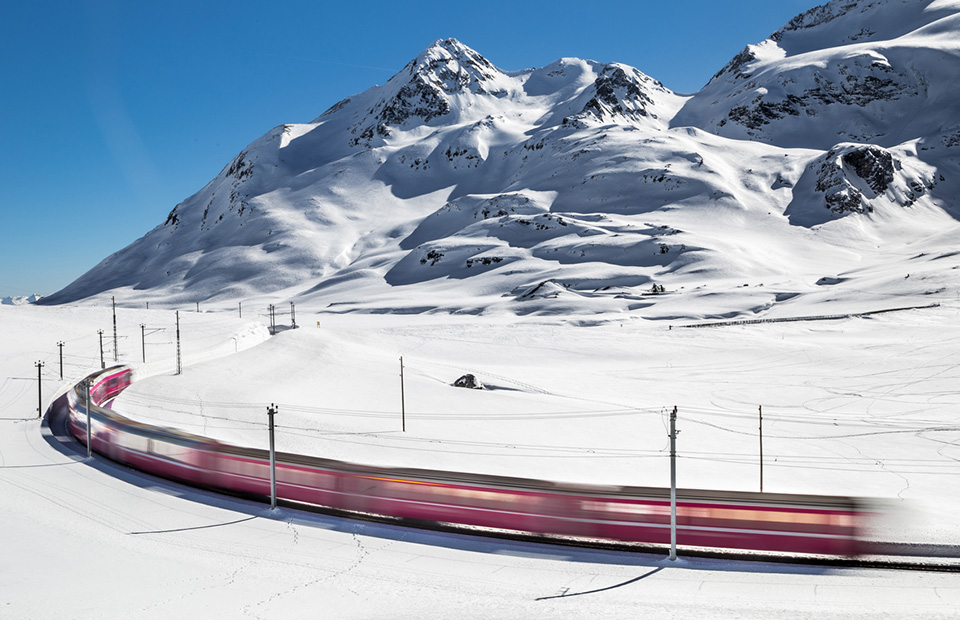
column 116, row 351
column 86, row 386
column 673, row 484
column 761, row 448
column 102, row 365
column 271, row 411
column 39, row 366
column 403, row 406
column 60, row 344
column 179, row 365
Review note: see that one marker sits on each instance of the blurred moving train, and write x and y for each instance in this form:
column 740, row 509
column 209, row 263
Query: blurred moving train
column 789, row 523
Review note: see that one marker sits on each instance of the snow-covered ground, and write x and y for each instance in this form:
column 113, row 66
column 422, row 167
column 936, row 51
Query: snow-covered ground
column 556, row 232
column 861, row 406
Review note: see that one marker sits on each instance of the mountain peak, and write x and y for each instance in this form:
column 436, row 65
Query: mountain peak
column 452, row 67
column 428, row 88
column 449, row 48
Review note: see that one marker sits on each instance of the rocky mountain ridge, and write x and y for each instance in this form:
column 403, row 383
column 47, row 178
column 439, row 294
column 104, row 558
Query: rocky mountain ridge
column 877, row 72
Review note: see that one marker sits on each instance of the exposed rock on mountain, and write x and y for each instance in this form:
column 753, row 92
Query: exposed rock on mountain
column 425, row 89
column 620, row 93
column 852, row 177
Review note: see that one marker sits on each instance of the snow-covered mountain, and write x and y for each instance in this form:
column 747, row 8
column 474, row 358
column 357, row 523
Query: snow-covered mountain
column 827, row 154
column 876, row 71
column 20, row 300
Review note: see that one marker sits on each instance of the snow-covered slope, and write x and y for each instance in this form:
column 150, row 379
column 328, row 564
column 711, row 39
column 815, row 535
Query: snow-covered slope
column 830, row 150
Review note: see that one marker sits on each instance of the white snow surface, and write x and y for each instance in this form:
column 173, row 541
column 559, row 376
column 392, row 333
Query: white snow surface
column 556, row 232
column 862, row 406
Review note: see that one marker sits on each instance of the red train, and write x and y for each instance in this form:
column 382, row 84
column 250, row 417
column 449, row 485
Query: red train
column 718, row 519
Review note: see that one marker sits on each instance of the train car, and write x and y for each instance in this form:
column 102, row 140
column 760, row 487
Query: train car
column 791, row 523
column 165, row 452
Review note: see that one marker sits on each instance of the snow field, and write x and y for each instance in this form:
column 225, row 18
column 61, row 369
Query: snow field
column 112, row 543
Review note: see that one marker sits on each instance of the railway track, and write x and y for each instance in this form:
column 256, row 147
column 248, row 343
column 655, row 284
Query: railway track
column 944, row 558
column 778, row 528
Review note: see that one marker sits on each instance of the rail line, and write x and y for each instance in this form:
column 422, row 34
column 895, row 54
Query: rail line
column 768, row 527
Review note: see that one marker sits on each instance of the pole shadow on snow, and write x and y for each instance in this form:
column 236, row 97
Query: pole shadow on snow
column 613, row 587
column 192, row 529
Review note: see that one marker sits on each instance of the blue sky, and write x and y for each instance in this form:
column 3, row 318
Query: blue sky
column 112, row 112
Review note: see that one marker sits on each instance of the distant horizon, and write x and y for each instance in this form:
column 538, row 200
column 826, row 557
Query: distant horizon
column 122, row 111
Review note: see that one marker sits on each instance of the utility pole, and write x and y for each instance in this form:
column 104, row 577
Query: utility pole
column 39, row 365
column 271, row 411
column 102, row 365
column 673, row 484
column 761, row 448
column 116, row 351
column 403, row 407
column 60, row 344
column 86, row 385
column 179, row 366
column 293, row 316
column 143, row 342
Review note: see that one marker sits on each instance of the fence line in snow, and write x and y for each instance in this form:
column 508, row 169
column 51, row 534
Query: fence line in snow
column 821, row 317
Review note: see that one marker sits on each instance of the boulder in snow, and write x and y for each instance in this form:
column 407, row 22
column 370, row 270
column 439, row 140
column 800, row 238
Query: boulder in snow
column 468, row 381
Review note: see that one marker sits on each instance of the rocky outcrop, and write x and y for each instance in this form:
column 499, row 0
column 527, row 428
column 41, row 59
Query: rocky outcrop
column 619, row 94
column 469, row 382
column 854, row 82
column 733, row 68
column 857, row 178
